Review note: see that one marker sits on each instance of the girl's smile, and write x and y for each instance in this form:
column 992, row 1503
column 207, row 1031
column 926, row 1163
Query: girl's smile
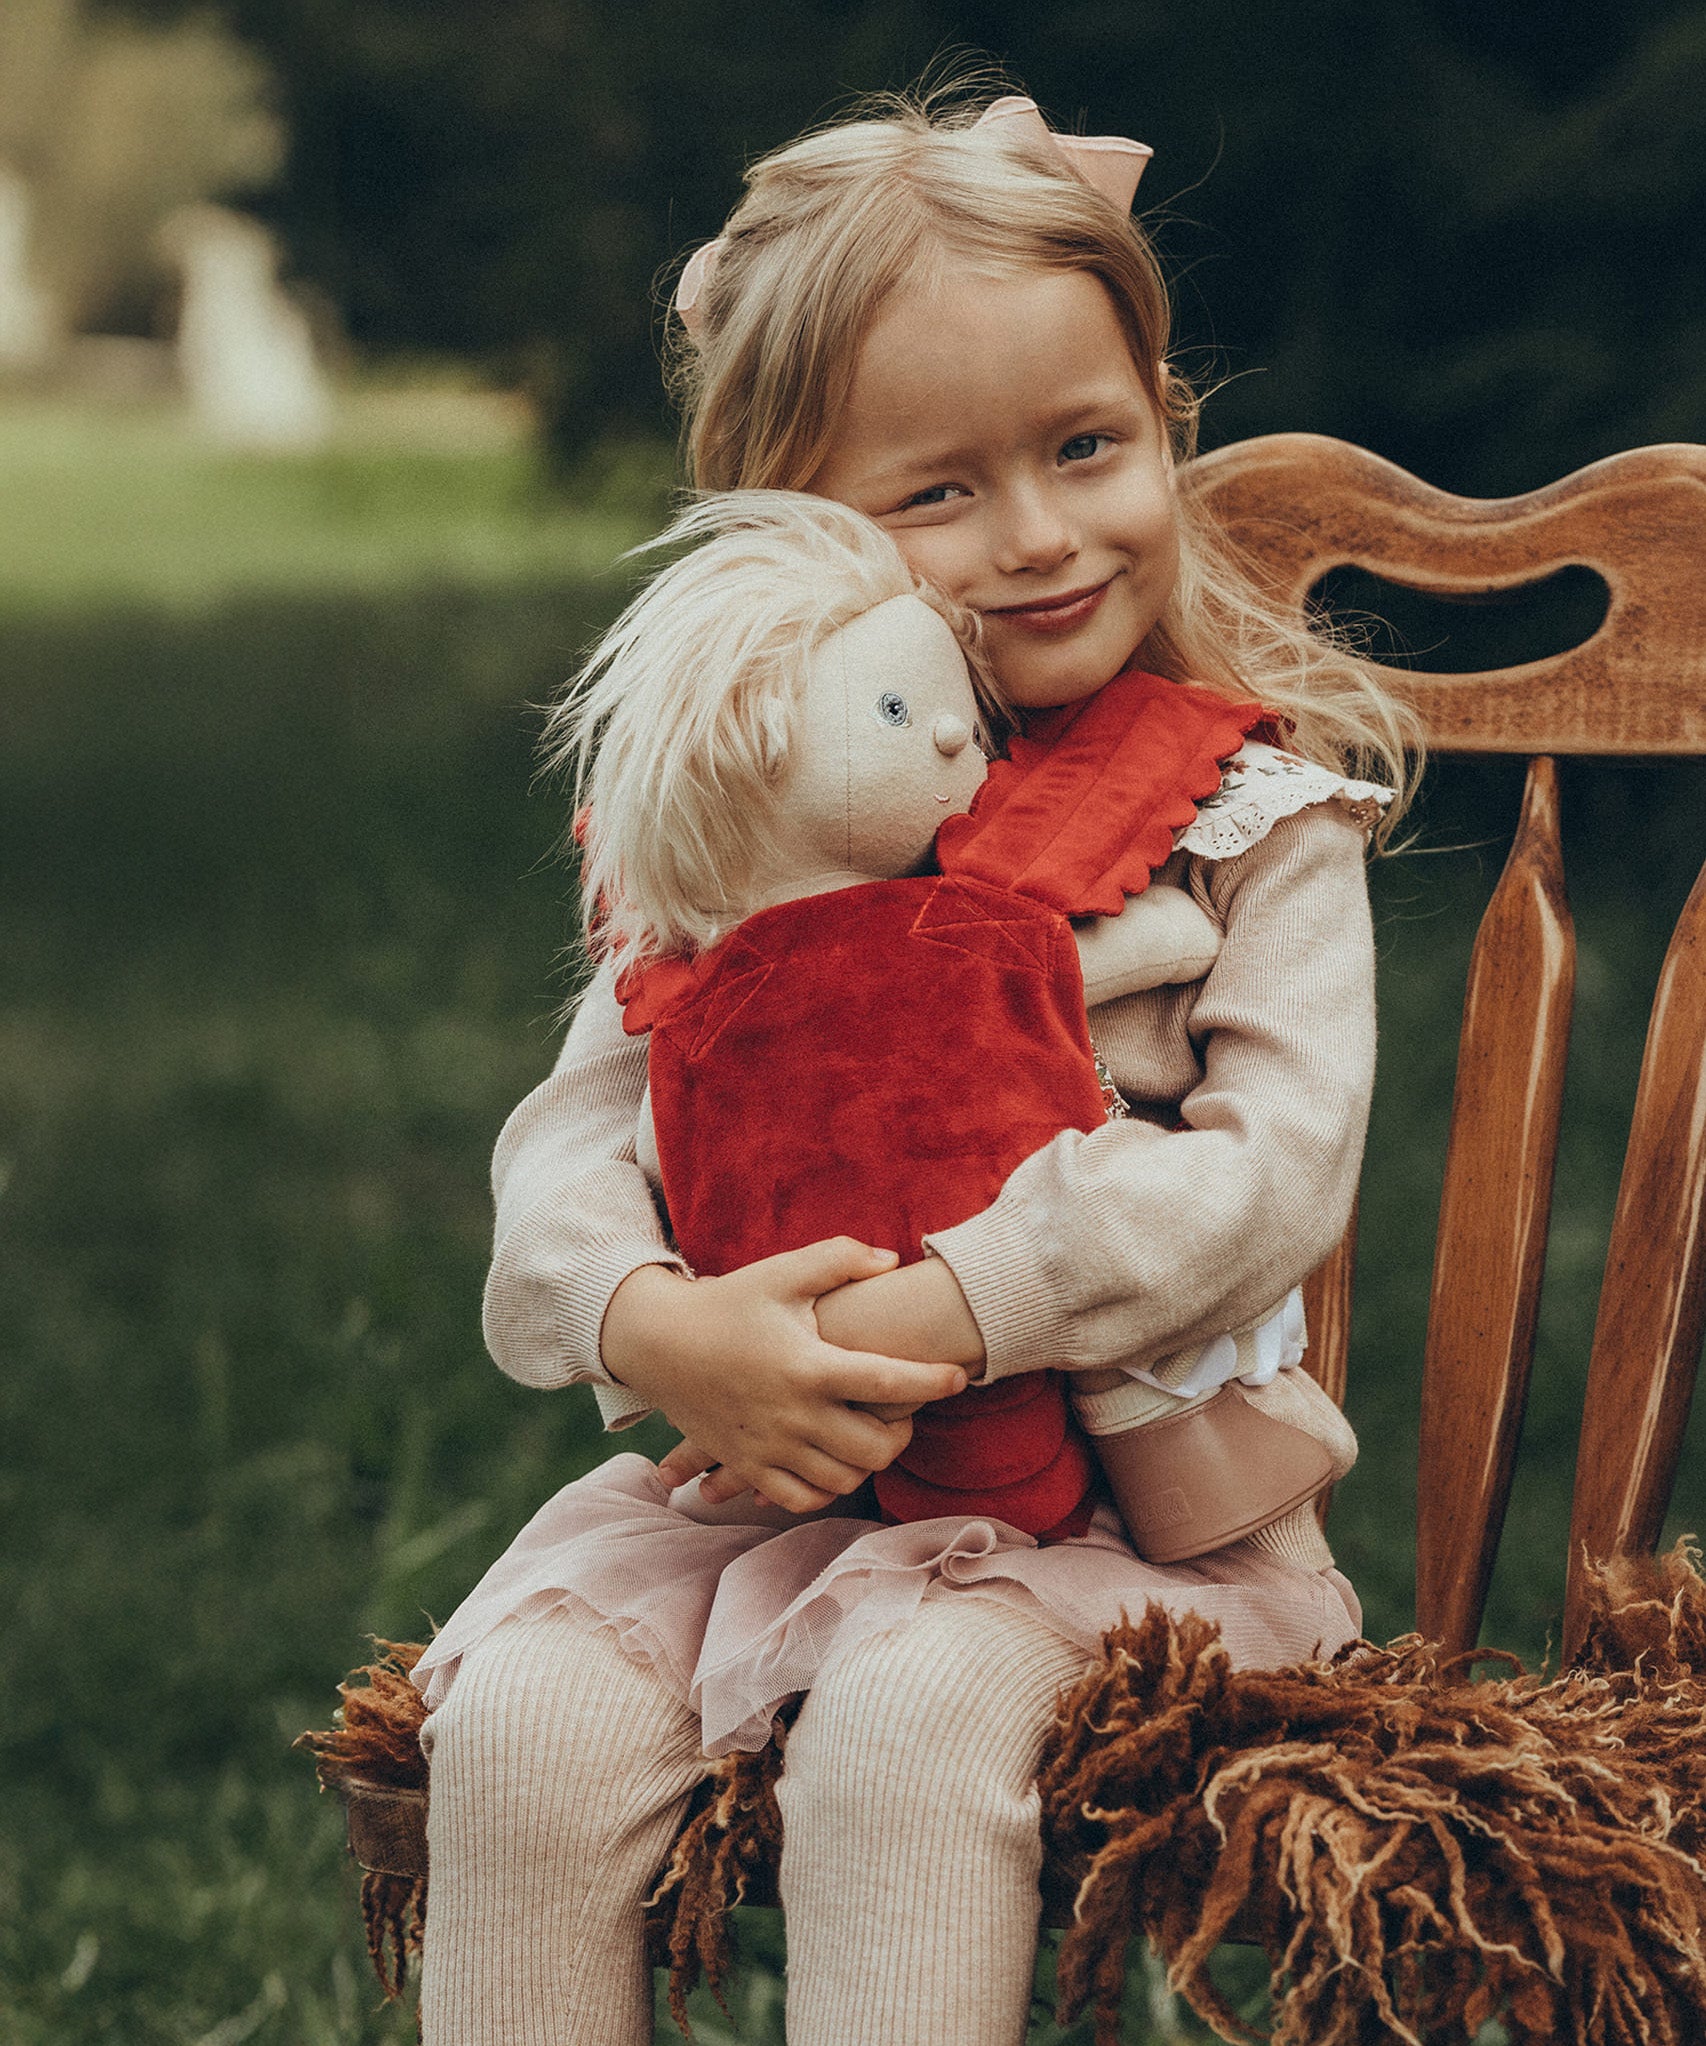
column 997, row 425
column 1055, row 615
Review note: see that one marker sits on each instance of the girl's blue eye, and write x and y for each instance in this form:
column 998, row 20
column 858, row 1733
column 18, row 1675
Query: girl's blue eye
column 938, row 493
column 892, row 709
column 1082, row 446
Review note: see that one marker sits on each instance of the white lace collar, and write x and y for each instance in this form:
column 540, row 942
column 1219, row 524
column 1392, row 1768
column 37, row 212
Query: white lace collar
column 1261, row 784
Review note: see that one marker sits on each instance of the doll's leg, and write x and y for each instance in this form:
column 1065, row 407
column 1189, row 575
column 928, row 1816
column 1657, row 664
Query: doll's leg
column 910, row 1827
column 560, row 1771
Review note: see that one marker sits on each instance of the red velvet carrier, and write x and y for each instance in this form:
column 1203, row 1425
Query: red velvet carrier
column 874, row 1062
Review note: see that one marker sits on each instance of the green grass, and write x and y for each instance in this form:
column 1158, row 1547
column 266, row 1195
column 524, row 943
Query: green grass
column 122, row 505
column 279, row 934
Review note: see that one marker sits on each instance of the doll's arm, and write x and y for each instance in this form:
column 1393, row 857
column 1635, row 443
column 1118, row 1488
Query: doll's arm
column 1129, row 1243
column 1159, row 937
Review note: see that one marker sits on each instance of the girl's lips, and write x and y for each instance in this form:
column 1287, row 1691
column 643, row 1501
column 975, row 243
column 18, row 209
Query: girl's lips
column 1051, row 615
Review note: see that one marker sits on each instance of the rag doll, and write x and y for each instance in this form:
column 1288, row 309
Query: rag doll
column 865, row 991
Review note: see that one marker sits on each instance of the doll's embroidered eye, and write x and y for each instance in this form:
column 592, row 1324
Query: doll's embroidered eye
column 892, row 710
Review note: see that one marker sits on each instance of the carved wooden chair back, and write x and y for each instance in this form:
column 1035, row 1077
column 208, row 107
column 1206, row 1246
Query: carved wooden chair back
column 1300, row 506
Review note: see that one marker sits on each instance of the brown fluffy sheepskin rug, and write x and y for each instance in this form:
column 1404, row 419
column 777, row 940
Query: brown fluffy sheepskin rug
column 1415, row 1851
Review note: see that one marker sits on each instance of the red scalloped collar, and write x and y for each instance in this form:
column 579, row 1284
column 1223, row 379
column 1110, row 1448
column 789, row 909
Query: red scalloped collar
column 1078, row 816
column 1088, row 802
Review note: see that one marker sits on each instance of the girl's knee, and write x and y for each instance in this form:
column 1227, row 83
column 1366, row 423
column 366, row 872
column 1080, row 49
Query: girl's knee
column 550, row 1696
column 948, row 1710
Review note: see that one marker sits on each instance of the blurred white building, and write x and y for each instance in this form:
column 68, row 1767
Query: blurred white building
column 29, row 324
column 245, row 352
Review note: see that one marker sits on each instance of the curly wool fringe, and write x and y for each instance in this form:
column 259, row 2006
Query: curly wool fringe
column 727, row 1854
column 1415, row 1852
column 377, row 1735
column 393, row 1915
column 376, row 1740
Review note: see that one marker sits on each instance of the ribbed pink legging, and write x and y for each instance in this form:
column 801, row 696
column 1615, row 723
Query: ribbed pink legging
column 560, row 1769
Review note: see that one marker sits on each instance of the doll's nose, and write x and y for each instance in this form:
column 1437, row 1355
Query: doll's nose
column 950, row 734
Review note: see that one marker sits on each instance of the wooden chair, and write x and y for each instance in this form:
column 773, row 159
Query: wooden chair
column 1299, row 507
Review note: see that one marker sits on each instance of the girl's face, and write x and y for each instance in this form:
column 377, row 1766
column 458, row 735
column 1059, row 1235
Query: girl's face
column 998, row 428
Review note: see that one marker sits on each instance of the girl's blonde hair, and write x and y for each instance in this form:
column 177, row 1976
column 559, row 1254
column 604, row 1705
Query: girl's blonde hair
column 836, row 222
column 679, row 725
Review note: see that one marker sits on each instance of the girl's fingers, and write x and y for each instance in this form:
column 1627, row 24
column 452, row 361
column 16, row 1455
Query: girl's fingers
column 861, row 1440
column 684, row 1461
column 792, row 1494
column 837, row 1261
column 873, row 1381
column 811, row 1464
column 829, row 1472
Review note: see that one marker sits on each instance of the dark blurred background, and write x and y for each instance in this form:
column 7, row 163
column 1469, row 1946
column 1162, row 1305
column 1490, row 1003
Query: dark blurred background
column 329, row 393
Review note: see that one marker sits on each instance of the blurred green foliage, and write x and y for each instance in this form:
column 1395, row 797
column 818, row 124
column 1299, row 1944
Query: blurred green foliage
column 1468, row 237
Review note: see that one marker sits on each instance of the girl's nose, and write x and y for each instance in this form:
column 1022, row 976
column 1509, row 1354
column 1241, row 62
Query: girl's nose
column 950, row 734
column 1033, row 534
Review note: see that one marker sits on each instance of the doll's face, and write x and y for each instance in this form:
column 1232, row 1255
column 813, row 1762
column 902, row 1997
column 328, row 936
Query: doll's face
column 884, row 748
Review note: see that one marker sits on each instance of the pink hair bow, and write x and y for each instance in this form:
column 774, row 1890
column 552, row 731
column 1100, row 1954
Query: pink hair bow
column 693, row 281
column 1111, row 164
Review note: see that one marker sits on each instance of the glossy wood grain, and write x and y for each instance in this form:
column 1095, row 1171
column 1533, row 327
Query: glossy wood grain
column 1491, row 1247
column 1652, row 1305
column 1327, row 1316
column 1300, row 505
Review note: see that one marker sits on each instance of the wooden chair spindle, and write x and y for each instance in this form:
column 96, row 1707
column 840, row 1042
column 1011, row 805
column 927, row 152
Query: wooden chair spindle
column 1493, row 1215
column 1652, row 1304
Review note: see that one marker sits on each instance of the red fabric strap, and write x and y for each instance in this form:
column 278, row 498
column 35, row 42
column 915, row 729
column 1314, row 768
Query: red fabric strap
column 1089, row 800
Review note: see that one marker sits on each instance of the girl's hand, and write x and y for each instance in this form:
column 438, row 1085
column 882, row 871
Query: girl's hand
column 917, row 1310
column 738, row 1365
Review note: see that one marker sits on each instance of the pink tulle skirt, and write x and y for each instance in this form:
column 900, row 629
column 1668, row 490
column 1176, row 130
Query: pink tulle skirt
column 738, row 1617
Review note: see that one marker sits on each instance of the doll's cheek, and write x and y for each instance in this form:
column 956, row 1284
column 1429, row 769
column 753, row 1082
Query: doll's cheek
column 898, row 797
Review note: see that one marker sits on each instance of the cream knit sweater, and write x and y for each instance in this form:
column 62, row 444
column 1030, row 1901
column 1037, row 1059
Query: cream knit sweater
column 1120, row 1246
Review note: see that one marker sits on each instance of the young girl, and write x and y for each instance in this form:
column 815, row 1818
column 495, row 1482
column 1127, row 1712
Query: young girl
column 952, row 325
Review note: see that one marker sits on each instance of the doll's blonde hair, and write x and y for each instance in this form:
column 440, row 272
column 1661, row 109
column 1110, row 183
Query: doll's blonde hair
column 678, row 727
column 835, row 223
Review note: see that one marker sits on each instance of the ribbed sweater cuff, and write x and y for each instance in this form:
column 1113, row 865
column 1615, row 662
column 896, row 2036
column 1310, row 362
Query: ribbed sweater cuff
column 619, row 1406
column 1023, row 1324
column 545, row 1303
column 583, row 1294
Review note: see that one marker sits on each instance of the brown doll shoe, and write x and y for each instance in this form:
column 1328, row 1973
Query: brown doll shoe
column 1229, row 1464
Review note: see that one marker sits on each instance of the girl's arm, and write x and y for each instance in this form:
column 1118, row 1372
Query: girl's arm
column 574, row 1212
column 1133, row 1242
column 583, row 1286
